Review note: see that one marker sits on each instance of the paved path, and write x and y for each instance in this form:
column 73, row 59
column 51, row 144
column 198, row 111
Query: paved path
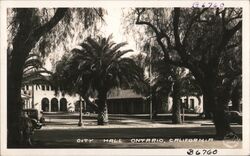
column 62, row 121
column 127, row 132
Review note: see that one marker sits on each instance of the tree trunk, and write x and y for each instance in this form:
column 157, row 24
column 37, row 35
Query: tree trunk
column 215, row 102
column 14, row 82
column 176, row 108
column 80, row 112
column 23, row 42
column 155, row 103
column 14, row 101
column 236, row 98
column 13, row 114
column 102, row 118
column 222, row 126
column 208, row 101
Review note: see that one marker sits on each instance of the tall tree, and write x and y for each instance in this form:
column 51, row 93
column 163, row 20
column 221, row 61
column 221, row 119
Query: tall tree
column 175, row 82
column 164, row 80
column 25, row 39
column 99, row 65
column 27, row 30
column 199, row 38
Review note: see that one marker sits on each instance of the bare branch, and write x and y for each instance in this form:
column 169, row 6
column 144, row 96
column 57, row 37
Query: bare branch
column 176, row 26
column 234, row 18
column 228, row 34
column 146, row 23
column 197, row 16
column 101, row 16
column 38, row 32
column 159, row 36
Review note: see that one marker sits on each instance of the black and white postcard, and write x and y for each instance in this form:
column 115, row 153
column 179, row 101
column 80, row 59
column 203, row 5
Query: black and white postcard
column 124, row 77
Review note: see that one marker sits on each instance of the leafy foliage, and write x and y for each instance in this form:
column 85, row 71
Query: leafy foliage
column 98, row 65
column 34, row 72
column 198, row 39
column 76, row 24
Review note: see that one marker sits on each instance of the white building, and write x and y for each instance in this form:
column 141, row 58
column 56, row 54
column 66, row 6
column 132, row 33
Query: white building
column 192, row 103
column 45, row 99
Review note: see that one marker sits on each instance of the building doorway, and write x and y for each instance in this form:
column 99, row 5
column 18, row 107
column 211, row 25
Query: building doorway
column 63, row 105
column 45, row 104
column 54, row 105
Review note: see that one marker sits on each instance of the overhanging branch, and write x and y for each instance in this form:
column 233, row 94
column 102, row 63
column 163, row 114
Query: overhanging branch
column 176, row 26
column 159, row 36
column 38, row 32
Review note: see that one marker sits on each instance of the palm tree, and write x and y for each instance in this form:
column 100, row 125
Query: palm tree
column 176, row 82
column 167, row 80
column 34, row 73
column 99, row 66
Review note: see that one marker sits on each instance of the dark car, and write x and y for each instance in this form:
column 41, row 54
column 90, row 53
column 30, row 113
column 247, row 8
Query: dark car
column 36, row 117
column 234, row 117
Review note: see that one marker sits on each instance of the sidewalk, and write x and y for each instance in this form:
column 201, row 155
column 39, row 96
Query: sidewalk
column 55, row 123
column 70, row 121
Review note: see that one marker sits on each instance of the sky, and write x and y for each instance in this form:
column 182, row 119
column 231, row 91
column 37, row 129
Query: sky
column 113, row 25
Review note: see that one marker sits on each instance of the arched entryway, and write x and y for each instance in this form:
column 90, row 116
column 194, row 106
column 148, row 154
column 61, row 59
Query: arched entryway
column 54, row 105
column 63, row 105
column 45, row 104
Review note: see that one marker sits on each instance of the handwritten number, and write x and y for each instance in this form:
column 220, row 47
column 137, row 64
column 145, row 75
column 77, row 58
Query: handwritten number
column 202, row 152
column 196, row 5
column 215, row 151
column 198, row 152
column 222, row 5
column 209, row 152
column 208, row 5
column 190, row 152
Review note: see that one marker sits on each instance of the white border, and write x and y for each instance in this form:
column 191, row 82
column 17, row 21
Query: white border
column 105, row 4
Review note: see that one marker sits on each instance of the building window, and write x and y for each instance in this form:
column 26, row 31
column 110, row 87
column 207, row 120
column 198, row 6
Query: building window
column 43, row 87
column 27, row 87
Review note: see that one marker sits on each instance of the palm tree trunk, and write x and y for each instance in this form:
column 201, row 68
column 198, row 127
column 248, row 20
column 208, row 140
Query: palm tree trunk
column 80, row 112
column 176, row 111
column 102, row 118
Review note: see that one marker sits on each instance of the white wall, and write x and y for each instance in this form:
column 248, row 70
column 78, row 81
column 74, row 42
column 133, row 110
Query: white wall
column 198, row 107
column 39, row 94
